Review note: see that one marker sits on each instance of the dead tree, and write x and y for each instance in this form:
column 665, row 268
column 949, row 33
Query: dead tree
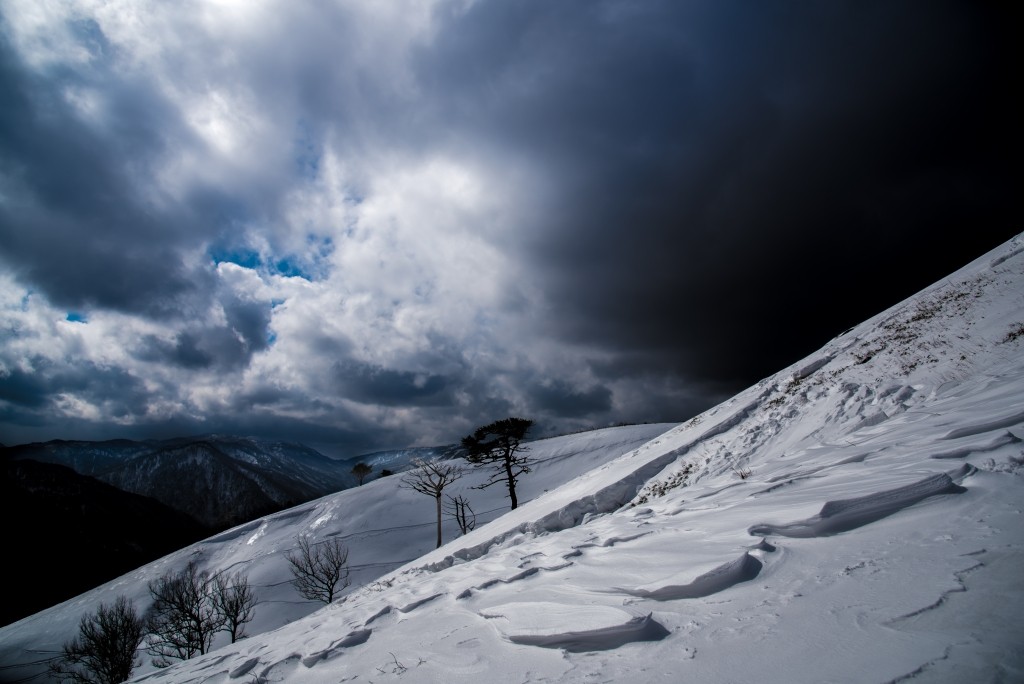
column 104, row 652
column 430, row 478
column 235, row 601
column 319, row 571
column 459, row 507
column 183, row 618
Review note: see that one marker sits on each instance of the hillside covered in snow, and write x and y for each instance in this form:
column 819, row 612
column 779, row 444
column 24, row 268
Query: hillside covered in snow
column 856, row 517
column 383, row 525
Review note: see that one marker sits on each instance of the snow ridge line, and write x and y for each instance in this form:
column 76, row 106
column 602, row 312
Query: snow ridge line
column 1016, row 248
column 848, row 514
column 608, row 499
column 742, row 569
column 959, row 589
column 740, row 416
column 640, row 628
column 923, row 668
column 978, row 429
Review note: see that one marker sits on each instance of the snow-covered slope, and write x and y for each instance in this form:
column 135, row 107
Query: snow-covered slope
column 395, row 460
column 856, row 517
column 383, row 525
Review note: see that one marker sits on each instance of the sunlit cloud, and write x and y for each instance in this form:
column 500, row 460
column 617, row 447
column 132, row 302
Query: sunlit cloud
column 372, row 224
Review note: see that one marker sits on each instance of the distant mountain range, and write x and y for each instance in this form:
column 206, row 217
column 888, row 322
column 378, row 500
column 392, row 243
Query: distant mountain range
column 109, row 507
column 61, row 523
column 221, row 481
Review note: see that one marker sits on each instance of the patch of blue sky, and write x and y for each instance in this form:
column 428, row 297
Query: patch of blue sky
column 310, row 266
column 76, row 317
column 245, row 258
column 291, row 269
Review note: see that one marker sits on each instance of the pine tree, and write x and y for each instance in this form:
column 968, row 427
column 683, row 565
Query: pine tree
column 499, row 446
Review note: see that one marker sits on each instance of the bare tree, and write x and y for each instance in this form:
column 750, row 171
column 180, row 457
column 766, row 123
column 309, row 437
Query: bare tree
column 499, row 446
column 104, row 652
column 459, row 507
column 430, row 477
column 319, row 569
column 235, row 602
column 183, row 618
column 361, row 471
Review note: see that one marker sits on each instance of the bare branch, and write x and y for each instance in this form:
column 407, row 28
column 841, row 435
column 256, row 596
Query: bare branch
column 459, row 507
column 183, row 617
column 235, row 601
column 430, row 477
column 319, row 571
column 104, row 652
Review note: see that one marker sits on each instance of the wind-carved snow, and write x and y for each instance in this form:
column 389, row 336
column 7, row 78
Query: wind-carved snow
column 743, row 569
column 259, row 533
column 325, row 518
column 354, row 638
column 849, row 514
column 596, row 628
column 991, row 444
column 1016, row 418
column 870, row 552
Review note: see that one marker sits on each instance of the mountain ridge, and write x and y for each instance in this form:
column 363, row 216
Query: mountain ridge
column 239, row 478
column 61, row 515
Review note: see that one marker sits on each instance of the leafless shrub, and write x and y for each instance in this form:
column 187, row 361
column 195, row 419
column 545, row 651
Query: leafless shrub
column 235, row 601
column 104, row 652
column 319, row 571
column 459, row 507
column 183, row 618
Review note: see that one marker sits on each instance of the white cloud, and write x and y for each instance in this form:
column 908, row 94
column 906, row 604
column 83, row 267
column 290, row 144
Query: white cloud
column 440, row 211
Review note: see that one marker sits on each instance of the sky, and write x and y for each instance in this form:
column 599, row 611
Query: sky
column 366, row 225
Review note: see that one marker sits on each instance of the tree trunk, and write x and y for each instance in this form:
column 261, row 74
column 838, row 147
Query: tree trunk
column 511, row 483
column 437, row 499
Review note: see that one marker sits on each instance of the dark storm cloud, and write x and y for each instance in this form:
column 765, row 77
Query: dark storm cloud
column 30, row 395
column 564, row 400
column 23, row 389
column 374, row 384
column 735, row 183
column 688, row 197
column 212, row 345
column 268, row 394
column 74, row 224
